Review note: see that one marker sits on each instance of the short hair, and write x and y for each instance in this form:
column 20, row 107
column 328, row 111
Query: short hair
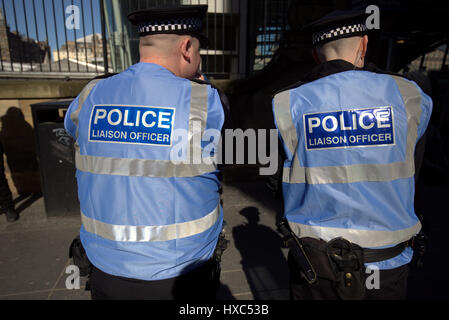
column 160, row 44
column 340, row 47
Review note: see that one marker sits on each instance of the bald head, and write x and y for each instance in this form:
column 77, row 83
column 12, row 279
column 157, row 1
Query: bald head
column 352, row 49
column 177, row 53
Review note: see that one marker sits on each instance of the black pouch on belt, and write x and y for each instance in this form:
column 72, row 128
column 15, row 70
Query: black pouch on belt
column 346, row 260
column 79, row 256
column 222, row 245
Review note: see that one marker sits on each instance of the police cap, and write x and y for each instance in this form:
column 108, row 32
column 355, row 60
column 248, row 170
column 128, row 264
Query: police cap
column 336, row 25
column 182, row 20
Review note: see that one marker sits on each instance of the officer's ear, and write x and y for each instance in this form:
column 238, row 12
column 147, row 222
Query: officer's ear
column 186, row 49
column 364, row 45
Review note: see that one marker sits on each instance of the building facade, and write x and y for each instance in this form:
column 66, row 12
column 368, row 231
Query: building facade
column 15, row 47
column 88, row 49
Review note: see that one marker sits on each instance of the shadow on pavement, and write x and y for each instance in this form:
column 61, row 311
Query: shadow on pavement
column 224, row 293
column 262, row 259
column 24, row 201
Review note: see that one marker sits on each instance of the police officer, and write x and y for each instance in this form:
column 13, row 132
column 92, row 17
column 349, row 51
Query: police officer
column 149, row 224
column 349, row 137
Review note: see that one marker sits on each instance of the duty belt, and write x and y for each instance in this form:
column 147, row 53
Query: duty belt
column 376, row 255
column 309, row 252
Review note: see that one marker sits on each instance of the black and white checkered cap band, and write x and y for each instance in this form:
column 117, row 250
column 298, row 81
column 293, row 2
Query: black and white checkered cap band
column 189, row 24
column 337, row 32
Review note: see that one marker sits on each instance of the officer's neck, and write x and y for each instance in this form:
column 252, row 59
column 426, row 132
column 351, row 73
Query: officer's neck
column 356, row 59
column 328, row 68
column 357, row 64
column 167, row 64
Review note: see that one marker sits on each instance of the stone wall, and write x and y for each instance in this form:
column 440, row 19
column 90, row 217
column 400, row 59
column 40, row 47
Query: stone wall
column 17, row 128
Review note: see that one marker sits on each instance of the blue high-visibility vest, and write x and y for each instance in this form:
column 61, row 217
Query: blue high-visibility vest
column 149, row 210
column 349, row 140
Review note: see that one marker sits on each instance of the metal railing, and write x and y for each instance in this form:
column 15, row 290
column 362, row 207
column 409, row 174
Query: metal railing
column 432, row 61
column 84, row 38
column 52, row 38
column 271, row 23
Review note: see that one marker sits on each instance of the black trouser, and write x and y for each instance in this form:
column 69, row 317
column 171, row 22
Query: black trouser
column 6, row 201
column 199, row 284
column 393, row 286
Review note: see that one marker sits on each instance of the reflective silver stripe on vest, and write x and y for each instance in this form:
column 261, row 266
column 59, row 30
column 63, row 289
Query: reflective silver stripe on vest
column 82, row 98
column 139, row 167
column 160, row 168
column 198, row 116
column 354, row 173
column 284, row 120
column 150, row 233
column 364, row 238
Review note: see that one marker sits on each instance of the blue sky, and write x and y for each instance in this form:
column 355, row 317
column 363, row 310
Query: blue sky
column 51, row 19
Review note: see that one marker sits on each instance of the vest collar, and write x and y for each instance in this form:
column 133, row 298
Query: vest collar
column 335, row 66
column 328, row 68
